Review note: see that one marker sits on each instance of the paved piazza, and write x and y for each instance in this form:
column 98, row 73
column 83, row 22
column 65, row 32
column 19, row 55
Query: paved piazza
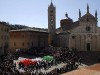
column 90, row 70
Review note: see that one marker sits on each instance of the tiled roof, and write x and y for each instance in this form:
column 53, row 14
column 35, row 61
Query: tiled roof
column 5, row 24
column 28, row 29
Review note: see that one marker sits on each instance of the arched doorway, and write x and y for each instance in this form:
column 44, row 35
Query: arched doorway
column 88, row 47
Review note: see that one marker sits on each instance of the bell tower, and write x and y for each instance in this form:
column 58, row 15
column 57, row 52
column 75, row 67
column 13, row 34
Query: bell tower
column 51, row 23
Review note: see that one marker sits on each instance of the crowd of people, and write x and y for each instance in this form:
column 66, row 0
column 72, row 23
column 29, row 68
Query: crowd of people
column 67, row 56
column 7, row 67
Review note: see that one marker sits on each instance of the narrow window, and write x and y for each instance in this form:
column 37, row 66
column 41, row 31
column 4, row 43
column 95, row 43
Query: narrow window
column 73, row 37
column 14, row 44
column 22, row 36
column 23, row 44
column 51, row 11
column 87, row 19
column 32, row 44
column 1, row 29
column 88, row 28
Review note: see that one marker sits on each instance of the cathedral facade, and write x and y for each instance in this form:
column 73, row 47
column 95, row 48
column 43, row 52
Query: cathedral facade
column 84, row 34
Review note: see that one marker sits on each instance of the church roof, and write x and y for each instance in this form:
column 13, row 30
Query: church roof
column 68, row 27
column 87, row 15
column 66, row 21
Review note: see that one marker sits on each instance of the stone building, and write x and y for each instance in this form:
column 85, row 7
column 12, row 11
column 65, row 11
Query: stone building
column 25, row 39
column 4, row 37
column 83, row 34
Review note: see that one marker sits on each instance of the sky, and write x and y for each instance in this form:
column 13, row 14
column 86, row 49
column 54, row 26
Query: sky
column 34, row 13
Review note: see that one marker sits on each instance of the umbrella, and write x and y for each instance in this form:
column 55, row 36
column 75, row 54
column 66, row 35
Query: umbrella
column 48, row 58
column 27, row 62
